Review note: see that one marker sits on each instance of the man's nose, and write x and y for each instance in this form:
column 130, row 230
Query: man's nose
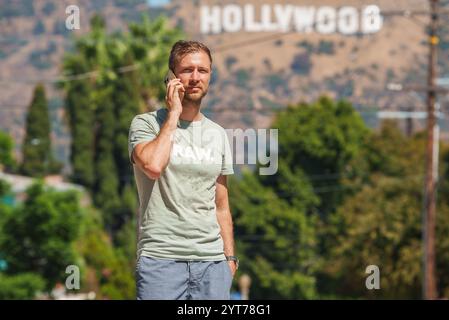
column 195, row 75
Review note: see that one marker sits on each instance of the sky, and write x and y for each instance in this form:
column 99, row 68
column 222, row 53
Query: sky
column 157, row 3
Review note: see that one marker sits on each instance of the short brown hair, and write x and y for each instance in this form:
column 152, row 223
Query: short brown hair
column 182, row 48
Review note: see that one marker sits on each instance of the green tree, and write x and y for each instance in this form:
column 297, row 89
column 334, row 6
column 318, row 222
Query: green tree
column 6, row 151
column 80, row 110
column 106, row 189
column 37, row 155
column 316, row 143
column 39, row 28
column 150, row 42
column 127, row 102
column 282, row 214
column 276, row 242
column 381, row 223
column 5, row 211
column 109, row 271
column 23, row 286
column 39, row 235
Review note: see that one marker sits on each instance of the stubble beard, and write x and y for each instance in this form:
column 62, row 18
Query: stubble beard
column 195, row 98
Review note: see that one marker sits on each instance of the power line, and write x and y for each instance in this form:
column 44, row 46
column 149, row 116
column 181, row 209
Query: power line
column 317, row 177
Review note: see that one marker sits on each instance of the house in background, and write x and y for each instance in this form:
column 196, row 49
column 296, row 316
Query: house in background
column 19, row 184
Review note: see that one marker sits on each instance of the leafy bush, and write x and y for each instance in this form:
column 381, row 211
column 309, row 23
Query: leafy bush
column 242, row 77
column 48, row 8
column 20, row 287
column 10, row 9
column 326, row 47
column 39, row 28
column 38, row 237
column 301, row 64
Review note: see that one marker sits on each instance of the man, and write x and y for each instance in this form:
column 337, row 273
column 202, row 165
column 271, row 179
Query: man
column 181, row 160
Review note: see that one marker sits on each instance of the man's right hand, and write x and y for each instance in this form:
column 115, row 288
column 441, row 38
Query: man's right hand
column 174, row 96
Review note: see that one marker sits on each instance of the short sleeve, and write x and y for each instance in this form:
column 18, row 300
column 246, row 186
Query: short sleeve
column 143, row 129
column 226, row 166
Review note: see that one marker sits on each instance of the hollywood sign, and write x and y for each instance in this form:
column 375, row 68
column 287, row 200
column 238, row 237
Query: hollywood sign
column 346, row 20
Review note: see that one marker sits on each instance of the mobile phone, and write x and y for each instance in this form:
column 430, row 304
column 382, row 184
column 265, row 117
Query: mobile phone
column 169, row 76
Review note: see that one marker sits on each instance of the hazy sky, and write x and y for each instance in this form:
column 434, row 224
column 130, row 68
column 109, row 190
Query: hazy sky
column 155, row 3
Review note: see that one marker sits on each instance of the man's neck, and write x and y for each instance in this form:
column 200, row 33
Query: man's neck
column 190, row 111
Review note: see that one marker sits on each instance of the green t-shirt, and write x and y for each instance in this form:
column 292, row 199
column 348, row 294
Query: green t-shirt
column 177, row 213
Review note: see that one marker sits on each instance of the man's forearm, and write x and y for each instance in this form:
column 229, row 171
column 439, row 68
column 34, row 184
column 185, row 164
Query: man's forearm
column 227, row 233
column 154, row 156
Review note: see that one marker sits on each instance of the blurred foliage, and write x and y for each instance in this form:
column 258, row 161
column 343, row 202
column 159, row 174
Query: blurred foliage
column 381, row 224
column 41, row 59
column 109, row 270
column 5, row 210
column 316, row 143
column 230, row 61
column 49, row 232
column 38, row 236
column 48, row 8
column 323, row 47
column 308, row 46
column 17, row 8
column 277, row 217
column 23, row 286
column 301, row 64
column 6, row 151
column 39, row 28
column 274, row 81
column 59, row 28
column 38, row 159
column 326, row 47
column 275, row 241
column 344, row 198
column 242, row 78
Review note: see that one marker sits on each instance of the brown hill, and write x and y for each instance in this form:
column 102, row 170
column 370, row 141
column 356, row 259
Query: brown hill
column 254, row 71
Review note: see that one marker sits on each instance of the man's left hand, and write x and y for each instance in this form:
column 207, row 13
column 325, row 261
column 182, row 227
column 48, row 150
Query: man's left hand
column 233, row 267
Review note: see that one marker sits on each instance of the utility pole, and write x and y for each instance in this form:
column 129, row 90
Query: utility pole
column 430, row 288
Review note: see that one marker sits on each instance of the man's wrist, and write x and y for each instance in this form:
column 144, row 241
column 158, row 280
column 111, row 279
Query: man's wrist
column 233, row 259
column 173, row 119
column 174, row 114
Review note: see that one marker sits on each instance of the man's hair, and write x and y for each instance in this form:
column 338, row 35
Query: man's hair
column 181, row 48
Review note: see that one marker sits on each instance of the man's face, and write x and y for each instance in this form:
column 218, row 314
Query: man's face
column 194, row 70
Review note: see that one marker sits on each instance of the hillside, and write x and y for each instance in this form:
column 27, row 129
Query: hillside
column 254, row 71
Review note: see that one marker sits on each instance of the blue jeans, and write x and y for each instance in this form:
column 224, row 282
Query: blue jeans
column 161, row 279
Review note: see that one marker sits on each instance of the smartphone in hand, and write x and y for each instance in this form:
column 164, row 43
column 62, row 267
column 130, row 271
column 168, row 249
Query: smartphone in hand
column 169, row 76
